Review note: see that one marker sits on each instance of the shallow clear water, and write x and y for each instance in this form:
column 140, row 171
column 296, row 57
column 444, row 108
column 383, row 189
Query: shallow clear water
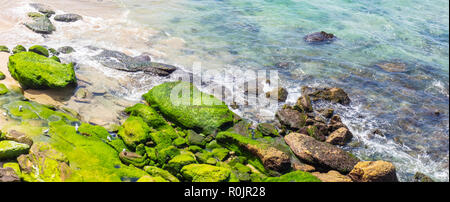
column 258, row 34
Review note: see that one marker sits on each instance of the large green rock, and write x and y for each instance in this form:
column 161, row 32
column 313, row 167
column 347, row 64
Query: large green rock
column 39, row 72
column 200, row 112
column 11, row 149
column 134, row 131
column 296, row 176
column 205, row 173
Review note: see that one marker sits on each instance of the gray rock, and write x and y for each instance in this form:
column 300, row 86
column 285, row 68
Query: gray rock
column 68, row 17
column 41, row 25
column 320, row 154
column 66, row 50
column 291, row 118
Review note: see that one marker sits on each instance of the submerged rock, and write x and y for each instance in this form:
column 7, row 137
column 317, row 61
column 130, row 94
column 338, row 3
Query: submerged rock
column 66, row 50
column 392, row 66
column 39, row 72
column 205, row 114
column 320, row 154
column 41, row 25
column 120, row 61
column 8, row 175
column 317, row 37
column 335, row 95
column 68, row 17
column 374, row 171
column 10, row 149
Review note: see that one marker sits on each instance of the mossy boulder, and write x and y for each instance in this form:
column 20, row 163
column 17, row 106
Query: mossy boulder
column 267, row 129
column 18, row 49
column 179, row 142
column 41, row 25
column 2, row 75
column 39, row 50
column 164, row 154
column 192, row 109
column 296, row 176
column 10, row 149
column 177, row 162
column 148, row 114
column 272, row 158
column 4, row 49
column 56, row 58
column 194, row 138
column 220, row 153
column 134, row 131
column 158, row 172
column 39, row 72
column 205, row 173
column 3, row 89
column 91, row 130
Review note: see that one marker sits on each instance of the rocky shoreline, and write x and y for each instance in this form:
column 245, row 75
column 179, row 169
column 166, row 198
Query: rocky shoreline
column 158, row 141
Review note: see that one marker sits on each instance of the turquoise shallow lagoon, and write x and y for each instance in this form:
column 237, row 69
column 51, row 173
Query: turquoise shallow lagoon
column 260, row 34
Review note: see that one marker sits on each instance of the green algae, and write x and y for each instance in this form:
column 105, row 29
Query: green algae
column 39, row 72
column 200, row 112
column 296, row 176
column 134, row 131
column 39, row 50
column 3, row 89
column 205, row 173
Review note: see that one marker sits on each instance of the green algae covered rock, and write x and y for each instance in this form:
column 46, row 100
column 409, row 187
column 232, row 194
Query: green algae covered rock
column 220, row 153
column 39, row 72
column 11, row 149
column 3, row 89
column 91, row 130
column 296, row 176
column 18, row 49
column 148, row 114
column 4, row 49
column 89, row 157
column 15, row 166
column 271, row 158
column 200, row 112
column 177, row 162
column 134, row 159
column 134, row 131
column 2, row 75
column 148, row 178
column 56, row 58
column 158, row 172
column 39, row 50
column 205, row 173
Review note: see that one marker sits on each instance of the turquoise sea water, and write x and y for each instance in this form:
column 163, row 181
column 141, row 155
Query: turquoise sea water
column 258, row 34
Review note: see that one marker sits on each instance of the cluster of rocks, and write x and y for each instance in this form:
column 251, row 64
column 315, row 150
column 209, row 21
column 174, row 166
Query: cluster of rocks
column 41, row 22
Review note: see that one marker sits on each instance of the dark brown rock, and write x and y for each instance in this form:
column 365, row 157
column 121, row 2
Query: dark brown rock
column 291, row 118
column 335, row 95
column 320, row 154
column 319, row 37
column 304, row 104
column 340, row 136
